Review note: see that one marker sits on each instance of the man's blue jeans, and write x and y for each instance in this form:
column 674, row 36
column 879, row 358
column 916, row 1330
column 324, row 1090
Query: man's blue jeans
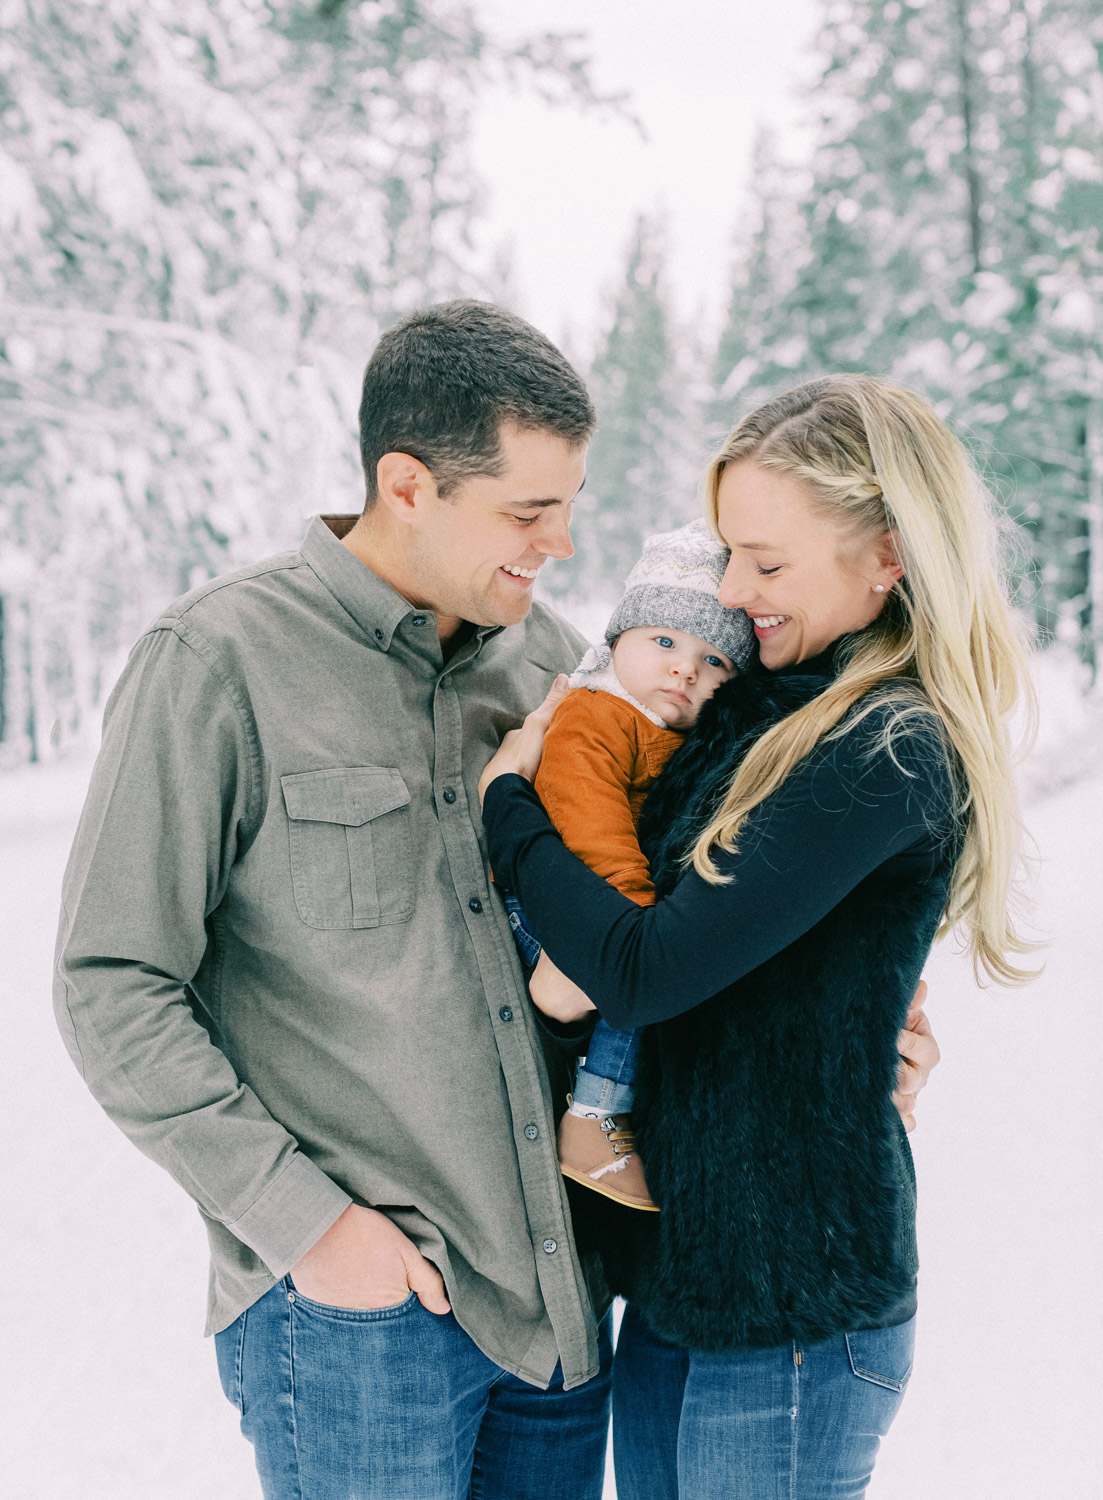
column 399, row 1404
column 796, row 1422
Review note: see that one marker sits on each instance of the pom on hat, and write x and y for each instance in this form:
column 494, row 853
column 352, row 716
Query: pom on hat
column 675, row 583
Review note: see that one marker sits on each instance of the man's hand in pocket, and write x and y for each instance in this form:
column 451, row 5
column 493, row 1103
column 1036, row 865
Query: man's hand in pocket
column 365, row 1261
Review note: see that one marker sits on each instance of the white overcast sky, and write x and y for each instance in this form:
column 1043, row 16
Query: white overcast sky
column 564, row 188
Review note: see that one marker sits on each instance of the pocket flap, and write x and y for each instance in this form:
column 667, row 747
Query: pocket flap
column 349, row 794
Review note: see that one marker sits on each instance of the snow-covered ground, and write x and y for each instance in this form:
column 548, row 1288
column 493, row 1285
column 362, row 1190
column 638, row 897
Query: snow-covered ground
column 110, row 1392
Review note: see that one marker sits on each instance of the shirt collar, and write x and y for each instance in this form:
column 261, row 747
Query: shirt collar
column 376, row 607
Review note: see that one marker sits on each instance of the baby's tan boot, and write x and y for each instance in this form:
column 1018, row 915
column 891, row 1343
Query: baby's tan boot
column 601, row 1154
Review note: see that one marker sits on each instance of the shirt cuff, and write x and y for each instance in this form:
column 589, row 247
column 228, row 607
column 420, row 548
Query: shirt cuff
column 572, row 1036
column 291, row 1215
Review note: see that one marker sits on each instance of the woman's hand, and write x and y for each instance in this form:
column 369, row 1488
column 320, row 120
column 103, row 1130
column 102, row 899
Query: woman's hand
column 555, row 994
column 918, row 1055
column 522, row 748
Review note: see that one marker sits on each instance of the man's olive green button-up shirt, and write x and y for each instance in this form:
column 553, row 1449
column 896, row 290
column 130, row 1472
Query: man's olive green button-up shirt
column 282, row 967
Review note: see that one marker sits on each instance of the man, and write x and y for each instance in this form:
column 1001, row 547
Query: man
column 283, row 971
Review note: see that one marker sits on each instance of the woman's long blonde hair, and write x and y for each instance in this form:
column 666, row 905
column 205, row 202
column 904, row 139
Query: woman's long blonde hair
column 877, row 458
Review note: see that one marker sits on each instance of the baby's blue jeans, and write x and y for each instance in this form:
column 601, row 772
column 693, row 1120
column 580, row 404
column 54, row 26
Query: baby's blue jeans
column 606, row 1074
column 605, row 1079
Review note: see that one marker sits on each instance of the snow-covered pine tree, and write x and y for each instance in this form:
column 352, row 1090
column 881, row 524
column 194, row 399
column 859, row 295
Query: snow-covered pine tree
column 645, row 460
column 1056, row 407
column 857, row 259
column 760, row 347
column 952, row 224
column 207, row 211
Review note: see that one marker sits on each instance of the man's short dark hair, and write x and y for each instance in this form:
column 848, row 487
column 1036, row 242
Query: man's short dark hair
column 441, row 383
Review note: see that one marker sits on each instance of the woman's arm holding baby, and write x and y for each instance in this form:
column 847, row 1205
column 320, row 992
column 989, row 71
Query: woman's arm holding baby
column 520, row 754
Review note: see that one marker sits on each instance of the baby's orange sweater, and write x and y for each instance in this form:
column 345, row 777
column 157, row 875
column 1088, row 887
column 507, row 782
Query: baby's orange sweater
column 601, row 756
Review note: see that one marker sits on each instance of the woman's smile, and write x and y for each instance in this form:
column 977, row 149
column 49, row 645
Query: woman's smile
column 786, row 544
column 766, row 626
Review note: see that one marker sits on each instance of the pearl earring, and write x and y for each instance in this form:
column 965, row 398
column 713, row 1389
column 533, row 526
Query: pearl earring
column 878, row 588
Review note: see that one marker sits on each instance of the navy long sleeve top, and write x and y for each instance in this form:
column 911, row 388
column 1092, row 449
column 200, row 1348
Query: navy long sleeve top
column 848, row 809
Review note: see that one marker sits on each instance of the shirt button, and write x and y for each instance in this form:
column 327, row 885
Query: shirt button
column 505, row 1014
column 449, row 794
column 531, row 1132
column 379, row 635
column 550, row 1247
column 475, row 904
column 418, row 620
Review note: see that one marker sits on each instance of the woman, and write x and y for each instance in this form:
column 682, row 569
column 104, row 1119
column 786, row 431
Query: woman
column 828, row 815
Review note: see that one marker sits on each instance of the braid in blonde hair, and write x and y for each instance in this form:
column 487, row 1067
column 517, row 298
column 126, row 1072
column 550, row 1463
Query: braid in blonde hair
column 945, row 649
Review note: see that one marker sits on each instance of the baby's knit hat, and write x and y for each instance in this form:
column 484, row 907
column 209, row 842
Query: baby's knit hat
column 674, row 584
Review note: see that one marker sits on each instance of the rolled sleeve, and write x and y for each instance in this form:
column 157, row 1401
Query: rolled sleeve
column 291, row 1214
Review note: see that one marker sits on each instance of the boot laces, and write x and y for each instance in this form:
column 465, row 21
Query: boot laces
column 621, row 1142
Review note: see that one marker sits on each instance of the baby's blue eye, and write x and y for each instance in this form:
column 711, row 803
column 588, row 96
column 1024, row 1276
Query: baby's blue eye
column 714, row 661
column 665, row 642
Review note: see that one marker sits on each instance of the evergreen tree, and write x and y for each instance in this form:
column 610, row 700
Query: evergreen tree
column 645, row 459
column 1056, row 418
column 207, row 214
column 952, row 242
column 759, row 349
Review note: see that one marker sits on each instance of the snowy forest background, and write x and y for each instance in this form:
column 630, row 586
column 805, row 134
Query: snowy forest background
column 208, row 211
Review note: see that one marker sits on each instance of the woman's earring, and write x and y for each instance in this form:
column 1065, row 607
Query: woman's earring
column 878, row 588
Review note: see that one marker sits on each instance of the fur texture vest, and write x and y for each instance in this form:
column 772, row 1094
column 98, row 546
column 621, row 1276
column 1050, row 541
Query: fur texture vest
column 764, row 1116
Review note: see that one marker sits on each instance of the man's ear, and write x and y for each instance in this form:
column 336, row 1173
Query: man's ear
column 403, row 483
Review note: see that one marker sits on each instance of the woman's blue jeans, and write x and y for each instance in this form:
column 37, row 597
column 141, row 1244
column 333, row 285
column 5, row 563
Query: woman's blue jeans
column 399, row 1404
column 797, row 1422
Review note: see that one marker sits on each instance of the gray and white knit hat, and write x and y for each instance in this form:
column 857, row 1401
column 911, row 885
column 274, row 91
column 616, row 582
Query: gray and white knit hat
column 674, row 584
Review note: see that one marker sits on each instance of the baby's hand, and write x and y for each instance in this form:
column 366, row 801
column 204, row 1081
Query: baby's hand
column 521, row 749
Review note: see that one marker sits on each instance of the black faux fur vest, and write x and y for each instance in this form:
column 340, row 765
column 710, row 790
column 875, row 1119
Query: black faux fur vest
column 764, row 1117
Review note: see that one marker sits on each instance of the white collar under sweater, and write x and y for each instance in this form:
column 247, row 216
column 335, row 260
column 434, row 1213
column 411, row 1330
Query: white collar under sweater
column 596, row 672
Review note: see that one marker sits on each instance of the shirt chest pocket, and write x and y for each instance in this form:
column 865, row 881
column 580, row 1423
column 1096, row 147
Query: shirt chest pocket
column 351, row 857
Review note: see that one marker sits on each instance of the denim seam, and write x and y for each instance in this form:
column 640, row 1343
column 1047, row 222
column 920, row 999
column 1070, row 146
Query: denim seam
column 875, row 1379
column 352, row 1314
column 238, row 1363
column 475, row 1487
column 291, row 1389
column 793, row 1446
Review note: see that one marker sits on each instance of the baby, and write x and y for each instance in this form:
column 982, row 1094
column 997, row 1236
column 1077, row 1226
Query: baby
column 669, row 646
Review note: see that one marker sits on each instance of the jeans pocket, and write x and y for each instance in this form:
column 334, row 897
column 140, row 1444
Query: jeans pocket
column 351, row 853
column 883, row 1356
column 349, row 1314
column 228, row 1347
